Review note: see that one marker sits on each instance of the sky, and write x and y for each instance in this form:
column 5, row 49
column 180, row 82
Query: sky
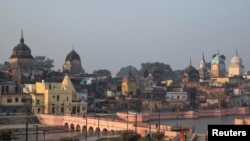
column 111, row 34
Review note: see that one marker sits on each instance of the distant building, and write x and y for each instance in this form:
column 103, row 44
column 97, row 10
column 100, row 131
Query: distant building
column 190, row 74
column 236, row 68
column 73, row 65
column 218, row 68
column 129, row 85
column 57, row 98
column 203, row 71
column 177, row 100
column 12, row 100
column 20, row 67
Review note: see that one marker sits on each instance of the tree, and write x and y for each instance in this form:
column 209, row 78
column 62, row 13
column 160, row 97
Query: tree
column 159, row 71
column 102, row 73
column 159, row 135
column 130, row 135
column 124, row 71
column 41, row 62
column 5, row 135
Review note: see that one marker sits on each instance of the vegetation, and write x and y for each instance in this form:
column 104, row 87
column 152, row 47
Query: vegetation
column 41, row 62
column 102, row 73
column 159, row 135
column 5, row 135
column 130, row 135
column 124, row 71
column 159, row 71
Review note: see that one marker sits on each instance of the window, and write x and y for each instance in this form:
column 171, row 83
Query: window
column 14, row 110
column 49, row 86
column 9, row 100
column 24, row 99
column 62, row 108
column 53, row 96
column 16, row 99
column 53, row 110
column 7, row 89
column 83, row 108
column 37, row 101
column 57, row 97
column 2, row 90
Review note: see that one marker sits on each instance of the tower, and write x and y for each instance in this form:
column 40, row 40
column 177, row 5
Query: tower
column 235, row 67
column 21, row 62
column 73, row 64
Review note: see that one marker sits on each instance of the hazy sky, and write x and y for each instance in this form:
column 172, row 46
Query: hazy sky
column 110, row 34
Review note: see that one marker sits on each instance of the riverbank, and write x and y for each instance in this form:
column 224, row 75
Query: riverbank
column 146, row 117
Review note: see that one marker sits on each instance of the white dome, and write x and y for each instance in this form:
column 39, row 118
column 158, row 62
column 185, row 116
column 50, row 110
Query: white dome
column 236, row 60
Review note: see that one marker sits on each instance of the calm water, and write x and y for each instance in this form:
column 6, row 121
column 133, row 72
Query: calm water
column 200, row 124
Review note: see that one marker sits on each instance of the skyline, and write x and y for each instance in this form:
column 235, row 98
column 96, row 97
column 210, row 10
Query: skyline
column 114, row 34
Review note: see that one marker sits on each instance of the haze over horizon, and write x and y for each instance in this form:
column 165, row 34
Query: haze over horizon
column 112, row 34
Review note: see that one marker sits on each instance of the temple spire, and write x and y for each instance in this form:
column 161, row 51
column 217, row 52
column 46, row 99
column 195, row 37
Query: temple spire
column 22, row 39
column 190, row 63
column 73, row 47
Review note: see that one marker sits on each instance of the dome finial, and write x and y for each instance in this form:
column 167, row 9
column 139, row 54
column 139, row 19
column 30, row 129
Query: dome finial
column 190, row 63
column 236, row 52
column 22, row 40
column 73, row 47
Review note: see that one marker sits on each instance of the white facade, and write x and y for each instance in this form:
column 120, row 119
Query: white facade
column 236, row 67
column 171, row 96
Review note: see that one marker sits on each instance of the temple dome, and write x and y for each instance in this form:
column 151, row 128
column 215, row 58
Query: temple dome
column 236, row 59
column 72, row 56
column 190, row 70
column 21, row 50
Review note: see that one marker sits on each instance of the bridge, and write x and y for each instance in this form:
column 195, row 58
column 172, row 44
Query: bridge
column 101, row 125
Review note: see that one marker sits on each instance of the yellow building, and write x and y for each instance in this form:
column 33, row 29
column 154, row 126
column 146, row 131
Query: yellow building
column 129, row 85
column 57, row 98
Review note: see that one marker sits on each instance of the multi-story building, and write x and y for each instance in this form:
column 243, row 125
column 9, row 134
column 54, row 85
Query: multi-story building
column 56, row 98
column 12, row 100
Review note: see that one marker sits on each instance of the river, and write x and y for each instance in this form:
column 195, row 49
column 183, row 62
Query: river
column 199, row 124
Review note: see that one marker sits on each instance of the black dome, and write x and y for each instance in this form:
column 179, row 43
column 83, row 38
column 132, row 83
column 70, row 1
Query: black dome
column 190, row 69
column 72, row 56
column 21, row 50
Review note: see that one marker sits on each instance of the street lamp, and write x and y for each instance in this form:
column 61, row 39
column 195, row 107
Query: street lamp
column 159, row 120
column 78, row 108
column 27, row 128
column 64, row 107
column 44, row 134
column 98, row 127
column 135, row 123
column 36, row 132
column 150, row 134
column 86, row 136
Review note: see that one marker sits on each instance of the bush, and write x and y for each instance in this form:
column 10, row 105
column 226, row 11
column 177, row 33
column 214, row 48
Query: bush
column 5, row 135
column 130, row 135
